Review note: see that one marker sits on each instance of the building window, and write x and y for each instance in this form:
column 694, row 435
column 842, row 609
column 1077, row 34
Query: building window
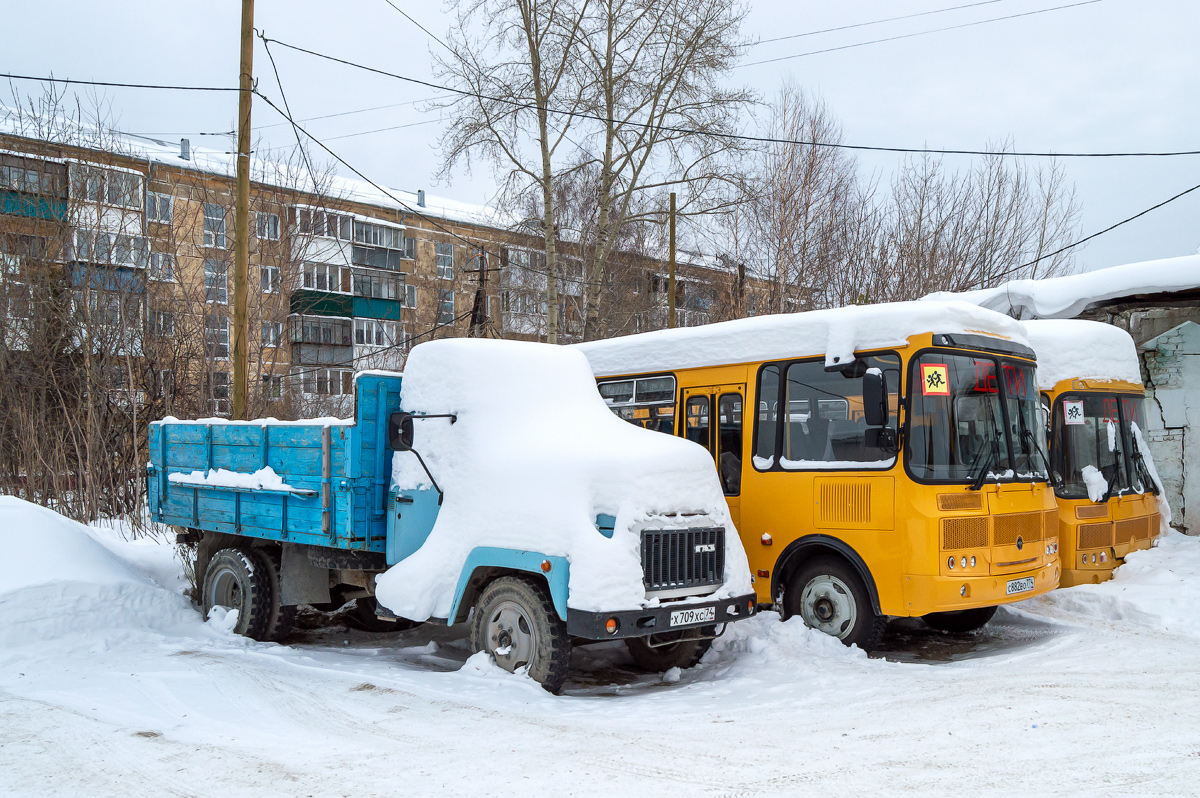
column 374, row 332
column 272, row 333
column 322, row 277
column 214, row 225
column 158, row 207
column 216, row 336
column 314, row 330
column 163, row 324
column 328, row 382
column 123, row 189
column 445, row 261
column 270, row 279
column 162, row 267
column 410, row 248
column 408, row 296
column 216, row 285
column 119, row 250
column 325, row 225
column 268, row 226
column 445, row 306
column 218, row 393
column 272, row 386
column 378, row 235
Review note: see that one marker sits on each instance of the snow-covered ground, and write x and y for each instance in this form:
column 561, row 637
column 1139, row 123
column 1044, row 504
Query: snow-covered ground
column 112, row 684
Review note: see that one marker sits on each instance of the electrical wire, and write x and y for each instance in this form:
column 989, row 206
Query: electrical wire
column 1096, row 234
column 114, row 84
column 918, row 33
column 524, row 105
column 418, row 24
column 874, row 22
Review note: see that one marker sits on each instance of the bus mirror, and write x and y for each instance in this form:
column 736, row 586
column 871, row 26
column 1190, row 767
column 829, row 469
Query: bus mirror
column 875, row 398
column 400, row 432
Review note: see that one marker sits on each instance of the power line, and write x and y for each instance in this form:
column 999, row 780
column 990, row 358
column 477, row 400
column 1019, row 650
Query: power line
column 340, row 113
column 918, row 33
column 525, row 105
column 114, row 84
column 875, row 22
column 1098, row 233
column 418, row 24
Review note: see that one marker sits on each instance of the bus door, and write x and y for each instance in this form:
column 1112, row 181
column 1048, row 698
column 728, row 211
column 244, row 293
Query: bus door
column 712, row 417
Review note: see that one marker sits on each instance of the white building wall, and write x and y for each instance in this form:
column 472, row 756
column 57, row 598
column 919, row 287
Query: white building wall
column 1171, row 371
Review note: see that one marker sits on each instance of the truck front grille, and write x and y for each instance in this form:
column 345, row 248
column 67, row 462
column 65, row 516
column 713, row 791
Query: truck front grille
column 683, row 558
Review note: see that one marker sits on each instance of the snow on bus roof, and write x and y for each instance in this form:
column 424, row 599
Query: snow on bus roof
column 1065, row 297
column 836, row 333
column 1074, row 349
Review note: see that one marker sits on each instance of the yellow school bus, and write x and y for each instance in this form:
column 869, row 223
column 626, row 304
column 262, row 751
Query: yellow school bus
column 884, row 460
column 1093, row 398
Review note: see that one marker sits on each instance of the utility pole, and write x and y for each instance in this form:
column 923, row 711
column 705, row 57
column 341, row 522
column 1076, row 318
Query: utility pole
column 671, row 278
column 241, row 219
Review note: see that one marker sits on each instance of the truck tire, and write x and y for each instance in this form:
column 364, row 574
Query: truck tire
column 282, row 619
column 829, row 595
column 362, row 616
column 656, row 659
column 961, row 620
column 238, row 580
column 515, row 622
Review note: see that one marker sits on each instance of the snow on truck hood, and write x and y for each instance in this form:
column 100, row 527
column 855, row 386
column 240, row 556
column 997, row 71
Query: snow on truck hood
column 1074, row 349
column 836, row 333
column 533, row 458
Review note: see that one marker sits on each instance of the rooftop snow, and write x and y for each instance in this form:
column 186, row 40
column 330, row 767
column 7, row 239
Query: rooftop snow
column 835, row 333
column 1066, row 297
column 1073, row 349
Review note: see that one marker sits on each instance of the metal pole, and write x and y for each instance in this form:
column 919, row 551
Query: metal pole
column 241, row 219
column 671, row 280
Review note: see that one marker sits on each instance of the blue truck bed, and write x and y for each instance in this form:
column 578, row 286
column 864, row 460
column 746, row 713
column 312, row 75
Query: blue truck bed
column 340, row 472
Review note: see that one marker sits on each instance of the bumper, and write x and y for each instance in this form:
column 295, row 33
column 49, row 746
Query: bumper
column 655, row 620
column 926, row 594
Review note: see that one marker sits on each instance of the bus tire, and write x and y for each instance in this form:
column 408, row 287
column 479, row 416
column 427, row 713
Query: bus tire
column 238, row 580
column 516, row 623
column 283, row 619
column 656, row 659
column 831, row 597
column 960, row 620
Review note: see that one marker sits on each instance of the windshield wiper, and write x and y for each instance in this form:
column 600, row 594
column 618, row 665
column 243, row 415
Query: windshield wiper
column 992, row 453
column 1031, row 442
column 1143, row 469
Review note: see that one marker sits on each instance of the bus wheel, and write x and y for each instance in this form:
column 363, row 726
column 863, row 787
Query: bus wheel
column 960, row 621
column 236, row 580
column 666, row 654
column 831, row 598
column 515, row 622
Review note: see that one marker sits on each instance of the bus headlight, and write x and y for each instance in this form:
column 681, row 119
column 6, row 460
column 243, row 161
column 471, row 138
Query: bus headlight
column 964, row 562
column 950, row 563
column 972, row 560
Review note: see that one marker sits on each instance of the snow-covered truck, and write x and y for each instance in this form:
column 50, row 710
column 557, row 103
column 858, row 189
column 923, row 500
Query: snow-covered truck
column 489, row 484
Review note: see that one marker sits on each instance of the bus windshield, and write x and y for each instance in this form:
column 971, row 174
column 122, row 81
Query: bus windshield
column 973, row 418
column 1096, row 430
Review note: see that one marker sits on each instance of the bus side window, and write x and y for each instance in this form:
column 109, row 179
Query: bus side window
column 729, row 443
column 768, row 414
column 697, row 421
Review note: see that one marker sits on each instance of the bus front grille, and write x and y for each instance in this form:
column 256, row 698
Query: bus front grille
column 1131, row 529
column 683, row 558
column 1026, row 526
column 1095, row 536
column 964, row 533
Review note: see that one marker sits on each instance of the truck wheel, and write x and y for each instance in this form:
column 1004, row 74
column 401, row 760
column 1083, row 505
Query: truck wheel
column 831, row 598
column 515, row 621
column 283, row 619
column 362, row 616
column 238, row 580
column 961, row 620
column 656, row 659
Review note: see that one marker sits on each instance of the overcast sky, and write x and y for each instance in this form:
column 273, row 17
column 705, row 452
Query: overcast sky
column 1113, row 75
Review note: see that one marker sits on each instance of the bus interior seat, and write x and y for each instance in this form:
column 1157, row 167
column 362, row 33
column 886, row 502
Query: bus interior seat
column 846, row 440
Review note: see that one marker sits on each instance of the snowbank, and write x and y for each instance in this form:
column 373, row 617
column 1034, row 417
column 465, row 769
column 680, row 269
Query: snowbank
column 534, row 457
column 263, row 479
column 1065, row 297
column 56, row 580
column 1157, row 588
column 1070, row 349
column 835, row 333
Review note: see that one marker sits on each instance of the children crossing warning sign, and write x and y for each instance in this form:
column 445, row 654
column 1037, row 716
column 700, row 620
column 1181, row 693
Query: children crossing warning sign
column 935, row 379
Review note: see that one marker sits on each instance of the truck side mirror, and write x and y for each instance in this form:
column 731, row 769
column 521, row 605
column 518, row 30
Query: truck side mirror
column 875, row 398
column 400, row 432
